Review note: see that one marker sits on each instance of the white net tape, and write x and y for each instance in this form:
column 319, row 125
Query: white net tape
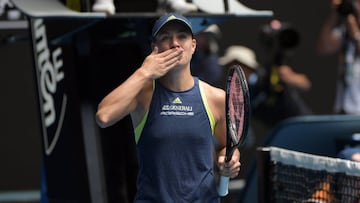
column 314, row 162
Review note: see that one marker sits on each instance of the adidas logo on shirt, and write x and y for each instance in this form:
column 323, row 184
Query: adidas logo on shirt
column 177, row 101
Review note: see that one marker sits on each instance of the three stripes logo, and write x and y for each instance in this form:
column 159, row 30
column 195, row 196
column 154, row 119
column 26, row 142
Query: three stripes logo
column 177, row 100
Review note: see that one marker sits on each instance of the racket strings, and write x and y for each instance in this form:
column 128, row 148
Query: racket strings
column 236, row 108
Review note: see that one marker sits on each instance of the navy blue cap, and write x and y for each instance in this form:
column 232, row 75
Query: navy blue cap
column 163, row 20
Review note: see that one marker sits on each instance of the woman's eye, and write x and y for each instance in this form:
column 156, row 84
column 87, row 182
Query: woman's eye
column 163, row 37
column 183, row 35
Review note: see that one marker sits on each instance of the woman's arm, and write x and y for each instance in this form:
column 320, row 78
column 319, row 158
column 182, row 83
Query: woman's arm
column 216, row 101
column 132, row 96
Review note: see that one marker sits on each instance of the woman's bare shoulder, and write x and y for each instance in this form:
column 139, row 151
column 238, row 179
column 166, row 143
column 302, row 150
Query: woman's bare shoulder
column 215, row 98
column 213, row 93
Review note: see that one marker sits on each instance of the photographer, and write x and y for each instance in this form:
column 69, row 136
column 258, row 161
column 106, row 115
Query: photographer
column 281, row 85
column 341, row 34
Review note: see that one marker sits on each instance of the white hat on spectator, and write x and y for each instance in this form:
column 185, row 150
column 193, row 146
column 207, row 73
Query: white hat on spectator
column 241, row 54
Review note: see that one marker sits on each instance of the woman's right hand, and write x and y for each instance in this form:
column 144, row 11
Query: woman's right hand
column 158, row 64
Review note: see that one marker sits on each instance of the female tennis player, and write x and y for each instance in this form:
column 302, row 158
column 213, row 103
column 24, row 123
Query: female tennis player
column 179, row 120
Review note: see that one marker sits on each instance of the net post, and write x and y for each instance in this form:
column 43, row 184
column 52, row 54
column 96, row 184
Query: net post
column 263, row 170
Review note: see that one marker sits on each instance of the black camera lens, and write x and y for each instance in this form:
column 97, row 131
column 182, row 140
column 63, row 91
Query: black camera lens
column 346, row 7
column 283, row 38
column 288, row 38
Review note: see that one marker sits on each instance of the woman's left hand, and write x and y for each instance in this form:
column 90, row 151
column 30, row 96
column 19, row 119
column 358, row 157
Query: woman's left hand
column 232, row 168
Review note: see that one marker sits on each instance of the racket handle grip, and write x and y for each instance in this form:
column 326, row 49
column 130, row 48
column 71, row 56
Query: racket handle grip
column 223, row 189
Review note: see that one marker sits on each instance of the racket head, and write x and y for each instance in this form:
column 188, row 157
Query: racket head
column 237, row 108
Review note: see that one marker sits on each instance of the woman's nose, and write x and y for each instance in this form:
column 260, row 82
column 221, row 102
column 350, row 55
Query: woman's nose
column 174, row 42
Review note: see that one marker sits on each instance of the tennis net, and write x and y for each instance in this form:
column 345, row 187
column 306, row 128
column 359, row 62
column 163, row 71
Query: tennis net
column 292, row 176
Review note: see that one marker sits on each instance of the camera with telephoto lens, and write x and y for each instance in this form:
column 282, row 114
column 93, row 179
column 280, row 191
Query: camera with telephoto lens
column 347, row 7
column 283, row 38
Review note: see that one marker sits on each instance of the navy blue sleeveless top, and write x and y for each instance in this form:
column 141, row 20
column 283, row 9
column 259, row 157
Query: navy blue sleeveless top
column 175, row 149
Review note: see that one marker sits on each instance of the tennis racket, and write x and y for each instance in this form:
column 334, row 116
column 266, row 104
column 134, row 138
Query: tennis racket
column 237, row 117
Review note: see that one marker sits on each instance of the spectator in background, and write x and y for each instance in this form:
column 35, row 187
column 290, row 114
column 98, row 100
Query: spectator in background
column 246, row 58
column 341, row 34
column 273, row 88
column 281, row 87
column 349, row 147
column 350, row 153
column 205, row 62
